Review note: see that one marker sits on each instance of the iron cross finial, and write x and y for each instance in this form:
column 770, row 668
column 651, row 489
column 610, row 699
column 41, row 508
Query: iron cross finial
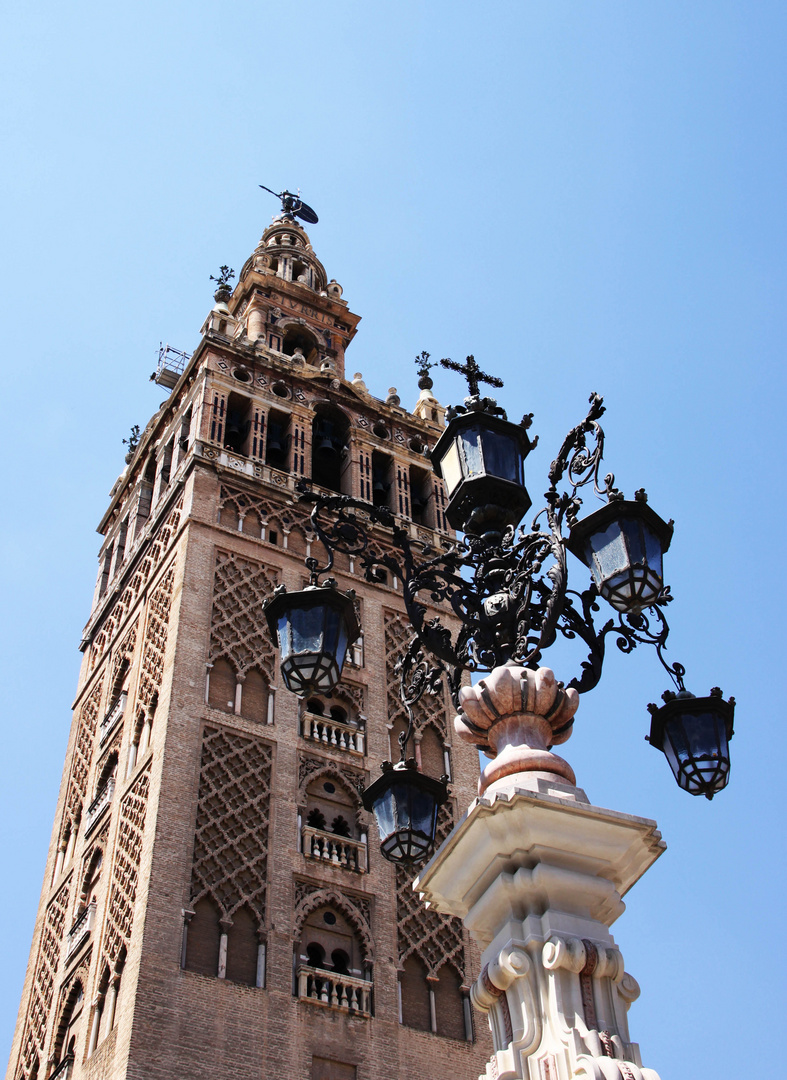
column 473, row 373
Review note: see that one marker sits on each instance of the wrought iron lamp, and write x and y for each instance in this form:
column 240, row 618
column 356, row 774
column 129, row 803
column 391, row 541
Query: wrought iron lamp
column 507, row 586
column 623, row 543
column 694, row 735
column 314, row 628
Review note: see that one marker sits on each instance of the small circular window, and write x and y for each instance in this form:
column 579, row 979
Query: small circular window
column 329, row 787
column 329, row 918
column 380, row 430
column 280, row 389
column 416, row 446
column 242, row 374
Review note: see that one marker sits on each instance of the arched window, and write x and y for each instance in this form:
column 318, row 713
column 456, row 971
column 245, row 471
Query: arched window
column 327, row 938
column 330, row 457
column 68, row 1028
column 254, row 696
column 416, row 1007
column 297, row 337
column 242, row 948
column 316, row 819
column 449, row 1003
column 328, row 798
column 90, row 880
column 221, row 686
column 203, row 939
column 120, row 682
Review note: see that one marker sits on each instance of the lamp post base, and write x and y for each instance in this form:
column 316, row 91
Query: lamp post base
column 538, row 874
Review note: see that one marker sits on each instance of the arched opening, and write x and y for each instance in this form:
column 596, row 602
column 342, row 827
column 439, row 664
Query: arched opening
column 68, row 1028
column 108, row 772
column 330, row 442
column 120, row 683
column 328, row 938
column 238, row 425
column 90, row 879
column 382, row 467
column 333, row 801
column 449, row 1003
column 416, row 1007
column 221, row 686
column 254, row 696
column 421, row 487
column 203, row 939
column 277, row 446
column 297, row 339
column 242, row 948
column 296, row 541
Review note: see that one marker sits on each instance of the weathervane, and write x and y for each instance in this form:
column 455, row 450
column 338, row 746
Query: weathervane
column 293, row 206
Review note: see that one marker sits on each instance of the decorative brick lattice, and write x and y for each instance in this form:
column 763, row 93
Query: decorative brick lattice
column 431, row 709
column 83, row 755
column 238, row 631
column 274, row 514
column 156, row 639
column 159, row 546
column 436, row 939
column 44, row 981
column 125, row 871
column 231, row 838
column 125, row 651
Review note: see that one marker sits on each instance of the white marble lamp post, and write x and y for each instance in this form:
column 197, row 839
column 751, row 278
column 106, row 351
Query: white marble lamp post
column 537, row 874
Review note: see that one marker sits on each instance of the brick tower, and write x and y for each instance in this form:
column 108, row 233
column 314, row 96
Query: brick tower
column 215, row 904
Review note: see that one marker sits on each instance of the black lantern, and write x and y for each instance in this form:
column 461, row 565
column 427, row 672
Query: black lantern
column 314, row 628
column 481, row 459
column 694, row 735
column 405, row 804
column 623, row 544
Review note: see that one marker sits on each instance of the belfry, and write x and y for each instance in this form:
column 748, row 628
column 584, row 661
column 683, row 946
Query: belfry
column 215, row 904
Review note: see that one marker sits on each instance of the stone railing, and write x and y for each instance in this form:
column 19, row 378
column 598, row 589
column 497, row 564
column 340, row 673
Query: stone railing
column 99, row 805
column 81, row 928
column 64, row 1069
column 329, row 732
column 338, row 850
column 110, row 721
column 344, row 993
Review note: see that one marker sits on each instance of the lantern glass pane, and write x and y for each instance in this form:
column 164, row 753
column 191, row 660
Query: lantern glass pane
column 307, row 627
column 653, row 550
column 451, row 467
column 285, row 643
column 422, row 808
column 471, row 450
column 384, row 814
column 502, row 456
column 633, row 533
column 607, row 552
column 695, row 746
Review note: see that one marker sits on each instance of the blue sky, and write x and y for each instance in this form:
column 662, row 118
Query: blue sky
column 586, row 195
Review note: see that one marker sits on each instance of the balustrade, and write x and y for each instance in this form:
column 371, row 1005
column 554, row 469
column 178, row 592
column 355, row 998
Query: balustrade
column 344, row 993
column 110, row 721
column 338, row 850
column 81, row 928
column 329, row 732
column 99, row 804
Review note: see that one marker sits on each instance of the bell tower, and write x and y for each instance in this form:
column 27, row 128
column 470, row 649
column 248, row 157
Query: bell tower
column 215, row 903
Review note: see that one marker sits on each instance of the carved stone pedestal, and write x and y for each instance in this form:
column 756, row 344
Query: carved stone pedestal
column 537, row 875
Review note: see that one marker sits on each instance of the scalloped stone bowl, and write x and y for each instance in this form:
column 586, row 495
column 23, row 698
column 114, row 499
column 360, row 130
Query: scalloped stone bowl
column 515, row 715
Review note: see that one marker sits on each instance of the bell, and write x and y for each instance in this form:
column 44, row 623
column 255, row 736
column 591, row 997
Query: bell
column 325, row 443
